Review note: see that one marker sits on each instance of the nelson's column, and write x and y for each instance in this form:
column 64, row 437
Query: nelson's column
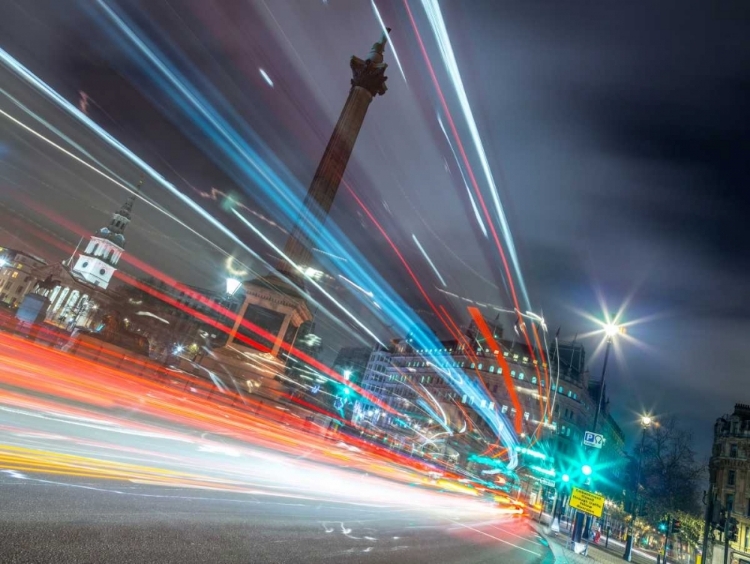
column 275, row 301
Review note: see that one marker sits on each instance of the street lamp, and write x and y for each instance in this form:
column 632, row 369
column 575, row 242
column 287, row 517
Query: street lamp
column 610, row 330
column 232, row 286
column 646, row 422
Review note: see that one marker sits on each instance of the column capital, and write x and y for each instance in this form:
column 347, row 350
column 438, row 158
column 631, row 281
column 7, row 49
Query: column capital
column 369, row 75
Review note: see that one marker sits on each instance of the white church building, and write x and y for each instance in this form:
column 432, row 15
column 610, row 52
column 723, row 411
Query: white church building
column 77, row 287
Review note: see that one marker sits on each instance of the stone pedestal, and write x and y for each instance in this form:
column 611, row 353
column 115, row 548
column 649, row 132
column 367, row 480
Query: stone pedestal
column 270, row 294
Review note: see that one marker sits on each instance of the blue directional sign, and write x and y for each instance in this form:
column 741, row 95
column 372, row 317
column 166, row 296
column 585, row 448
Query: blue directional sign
column 593, row 439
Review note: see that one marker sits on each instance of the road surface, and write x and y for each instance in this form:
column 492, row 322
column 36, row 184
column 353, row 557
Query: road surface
column 53, row 519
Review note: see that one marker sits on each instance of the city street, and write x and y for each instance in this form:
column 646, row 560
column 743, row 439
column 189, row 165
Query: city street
column 367, row 281
column 52, row 520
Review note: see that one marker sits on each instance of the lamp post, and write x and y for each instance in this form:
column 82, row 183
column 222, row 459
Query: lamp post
column 646, row 422
column 610, row 329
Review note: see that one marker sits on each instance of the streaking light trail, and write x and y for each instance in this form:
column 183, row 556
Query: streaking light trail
column 463, row 177
column 428, row 259
column 267, row 78
column 390, row 40
column 435, row 16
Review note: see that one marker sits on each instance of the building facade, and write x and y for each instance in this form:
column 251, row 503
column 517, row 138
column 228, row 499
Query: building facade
column 554, row 408
column 730, row 479
column 19, row 274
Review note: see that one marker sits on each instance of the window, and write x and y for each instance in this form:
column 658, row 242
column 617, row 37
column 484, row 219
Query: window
column 748, row 514
column 480, row 366
column 729, row 504
column 504, row 409
column 520, row 376
column 560, row 390
column 733, row 450
column 14, row 275
column 731, row 475
column 533, row 379
column 747, row 538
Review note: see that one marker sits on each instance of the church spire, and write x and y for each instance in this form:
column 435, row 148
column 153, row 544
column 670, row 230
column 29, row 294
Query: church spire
column 97, row 263
column 120, row 219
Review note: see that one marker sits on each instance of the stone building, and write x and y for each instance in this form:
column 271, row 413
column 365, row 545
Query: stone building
column 19, row 273
column 730, row 479
column 77, row 287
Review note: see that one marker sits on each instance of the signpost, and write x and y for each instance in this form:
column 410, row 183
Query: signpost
column 587, row 502
column 593, row 439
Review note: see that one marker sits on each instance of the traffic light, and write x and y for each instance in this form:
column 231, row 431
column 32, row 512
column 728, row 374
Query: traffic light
column 722, row 521
column 733, row 529
column 663, row 526
column 676, row 526
column 586, row 470
column 565, row 478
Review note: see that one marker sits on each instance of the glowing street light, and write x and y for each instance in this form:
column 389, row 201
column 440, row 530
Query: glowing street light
column 646, row 422
column 586, row 470
column 233, row 285
column 611, row 330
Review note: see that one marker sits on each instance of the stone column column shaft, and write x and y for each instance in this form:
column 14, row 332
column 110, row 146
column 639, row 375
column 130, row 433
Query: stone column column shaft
column 328, row 176
column 280, row 336
column 368, row 81
column 238, row 321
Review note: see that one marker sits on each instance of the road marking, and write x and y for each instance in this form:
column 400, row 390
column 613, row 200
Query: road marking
column 498, row 539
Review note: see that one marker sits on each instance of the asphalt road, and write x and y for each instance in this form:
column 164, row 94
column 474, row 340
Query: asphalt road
column 49, row 519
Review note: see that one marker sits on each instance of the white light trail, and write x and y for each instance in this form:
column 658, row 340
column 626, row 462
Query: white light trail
column 42, row 87
column 357, row 286
column 385, row 30
column 435, row 16
column 463, row 177
column 428, row 259
column 267, row 78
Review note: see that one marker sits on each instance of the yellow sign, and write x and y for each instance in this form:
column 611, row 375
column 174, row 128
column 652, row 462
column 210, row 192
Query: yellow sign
column 588, row 502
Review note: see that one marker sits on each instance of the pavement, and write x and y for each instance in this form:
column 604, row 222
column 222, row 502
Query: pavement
column 612, row 554
column 61, row 520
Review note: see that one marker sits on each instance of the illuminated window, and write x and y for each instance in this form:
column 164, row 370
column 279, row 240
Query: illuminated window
column 480, row 366
column 560, row 390
column 14, row 275
column 526, row 415
column 520, row 376
column 504, row 409
column 492, row 368
column 472, row 365
column 533, row 379
column 513, row 373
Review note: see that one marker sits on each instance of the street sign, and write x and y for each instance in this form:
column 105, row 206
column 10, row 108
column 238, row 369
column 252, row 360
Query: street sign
column 593, row 439
column 587, row 502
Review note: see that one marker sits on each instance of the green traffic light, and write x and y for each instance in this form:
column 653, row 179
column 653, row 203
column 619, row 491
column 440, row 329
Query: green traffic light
column 565, row 478
column 586, row 470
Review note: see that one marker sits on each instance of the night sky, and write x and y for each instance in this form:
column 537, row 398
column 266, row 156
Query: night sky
column 617, row 134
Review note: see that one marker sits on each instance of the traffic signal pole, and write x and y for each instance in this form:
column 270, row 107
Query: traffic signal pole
column 726, row 537
column 666, row 537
